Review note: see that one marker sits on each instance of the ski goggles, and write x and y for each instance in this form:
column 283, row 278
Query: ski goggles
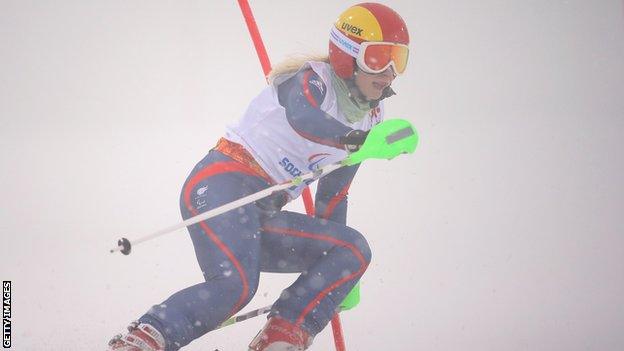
column 373, row 56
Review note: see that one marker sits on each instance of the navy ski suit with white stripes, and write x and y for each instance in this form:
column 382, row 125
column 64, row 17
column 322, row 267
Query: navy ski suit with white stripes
column 233, row 248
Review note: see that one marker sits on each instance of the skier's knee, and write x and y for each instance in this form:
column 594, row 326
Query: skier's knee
column 243, row 283
column 361, row 246
column 252, row 288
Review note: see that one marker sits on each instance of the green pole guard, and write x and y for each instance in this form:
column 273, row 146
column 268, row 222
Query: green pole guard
column 352, row 299
column 386, row 140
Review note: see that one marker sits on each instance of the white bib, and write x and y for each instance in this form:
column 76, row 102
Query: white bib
column 265, row 132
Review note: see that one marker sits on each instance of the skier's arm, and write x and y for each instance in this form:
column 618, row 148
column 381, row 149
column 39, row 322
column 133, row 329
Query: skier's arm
column 332, row 193
column 302, row 96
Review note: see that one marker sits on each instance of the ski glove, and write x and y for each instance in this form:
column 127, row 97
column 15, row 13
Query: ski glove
column 353, row 140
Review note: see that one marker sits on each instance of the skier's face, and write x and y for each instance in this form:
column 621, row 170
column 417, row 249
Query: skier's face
column 372, row 85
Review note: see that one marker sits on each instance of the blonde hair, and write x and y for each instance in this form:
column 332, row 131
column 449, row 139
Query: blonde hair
column 293, row 63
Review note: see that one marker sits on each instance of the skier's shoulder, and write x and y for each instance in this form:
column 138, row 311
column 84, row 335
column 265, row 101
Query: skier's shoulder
column 312, row 82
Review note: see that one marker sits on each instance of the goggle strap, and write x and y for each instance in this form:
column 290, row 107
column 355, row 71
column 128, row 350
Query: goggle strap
column 344, row 43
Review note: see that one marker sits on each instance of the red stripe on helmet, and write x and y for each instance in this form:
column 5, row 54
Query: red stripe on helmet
column 393, row 27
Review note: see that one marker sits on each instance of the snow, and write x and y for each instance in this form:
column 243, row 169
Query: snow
column 502, row 231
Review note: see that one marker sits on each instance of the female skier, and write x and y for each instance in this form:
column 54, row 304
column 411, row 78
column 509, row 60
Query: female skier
column 296, row 125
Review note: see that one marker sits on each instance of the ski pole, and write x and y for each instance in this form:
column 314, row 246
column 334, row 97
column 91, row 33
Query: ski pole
column 125, row 246
column 384, row 141
column 252, row 314
column 244, row 317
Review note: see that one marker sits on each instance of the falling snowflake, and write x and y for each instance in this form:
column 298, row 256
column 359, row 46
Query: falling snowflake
column 317, row 282
column 204, row 294
column 285, row 295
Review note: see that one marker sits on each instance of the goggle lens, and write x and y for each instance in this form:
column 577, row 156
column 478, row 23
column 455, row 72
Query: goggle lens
column 377, row 57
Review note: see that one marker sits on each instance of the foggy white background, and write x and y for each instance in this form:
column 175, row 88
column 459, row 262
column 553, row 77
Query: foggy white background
column 502, row 232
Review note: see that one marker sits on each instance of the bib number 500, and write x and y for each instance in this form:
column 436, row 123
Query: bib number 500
column 289, row 167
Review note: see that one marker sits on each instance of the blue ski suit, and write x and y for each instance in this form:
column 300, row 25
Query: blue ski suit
column 233, row 248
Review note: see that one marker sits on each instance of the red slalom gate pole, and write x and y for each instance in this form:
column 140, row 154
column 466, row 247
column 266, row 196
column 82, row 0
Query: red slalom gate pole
column 266, row 68
column 307, row 195
column 338, row 337
column 255, row 37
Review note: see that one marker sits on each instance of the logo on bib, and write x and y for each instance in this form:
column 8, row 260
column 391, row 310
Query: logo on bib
column 315, row 160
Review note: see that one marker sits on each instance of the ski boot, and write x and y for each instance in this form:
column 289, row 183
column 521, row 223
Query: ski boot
column 279, row 334
column 141, row 337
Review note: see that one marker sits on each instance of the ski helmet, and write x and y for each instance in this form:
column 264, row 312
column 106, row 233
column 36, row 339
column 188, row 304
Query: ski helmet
column 366, row 23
